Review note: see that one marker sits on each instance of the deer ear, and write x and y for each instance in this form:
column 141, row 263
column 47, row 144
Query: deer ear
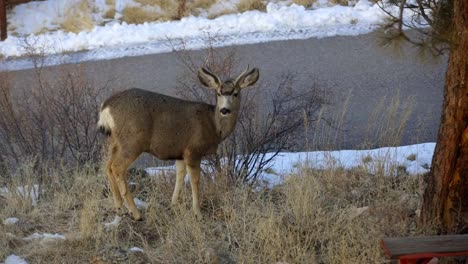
column 209, row 79
column 248, row 78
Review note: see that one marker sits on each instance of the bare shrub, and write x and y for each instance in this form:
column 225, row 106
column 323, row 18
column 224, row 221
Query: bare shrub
column 270, row 120
column 54, row 122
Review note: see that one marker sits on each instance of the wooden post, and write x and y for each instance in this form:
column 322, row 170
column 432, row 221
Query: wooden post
column 3, row 20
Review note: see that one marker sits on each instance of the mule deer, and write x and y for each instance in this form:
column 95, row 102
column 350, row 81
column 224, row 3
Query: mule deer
column 140, row 121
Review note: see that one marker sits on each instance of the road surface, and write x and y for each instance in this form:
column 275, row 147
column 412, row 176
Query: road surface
column 355, row 69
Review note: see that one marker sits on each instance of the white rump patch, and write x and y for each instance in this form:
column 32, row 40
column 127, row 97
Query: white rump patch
column 105, row 119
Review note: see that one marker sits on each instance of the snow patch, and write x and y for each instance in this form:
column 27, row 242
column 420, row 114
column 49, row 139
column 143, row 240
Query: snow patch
column 10, row 221
column 136, row 249
column 13, row 259
column 44, row 237
column 389, row 160
column 25, row 192
column 115, row 223
column 140, row 204
column 119, row 39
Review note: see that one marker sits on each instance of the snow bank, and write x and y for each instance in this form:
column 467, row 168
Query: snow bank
column 415, row 159
column 279, row 22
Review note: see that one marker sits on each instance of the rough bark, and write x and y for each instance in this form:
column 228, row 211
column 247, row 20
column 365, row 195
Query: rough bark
column 3, row 20
column 446, row 195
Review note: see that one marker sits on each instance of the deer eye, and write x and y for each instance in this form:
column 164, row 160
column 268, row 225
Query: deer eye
column 236, row 94
column 218, row 94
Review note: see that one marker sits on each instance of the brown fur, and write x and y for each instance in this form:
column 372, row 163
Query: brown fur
column 156, row 129
column 169, row 128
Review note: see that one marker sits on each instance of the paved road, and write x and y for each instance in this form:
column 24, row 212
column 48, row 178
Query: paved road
column 353, row 67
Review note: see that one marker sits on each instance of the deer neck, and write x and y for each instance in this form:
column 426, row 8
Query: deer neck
column 225, row 124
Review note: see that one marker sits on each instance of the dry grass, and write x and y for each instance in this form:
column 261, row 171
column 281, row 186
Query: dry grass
column 163, row 4
column 170, row 10
column 247, row 5
column 204, row 4
column 138, row 15
column 339, row 2
column 178, row 9
column 78, row 18
column 110, row 12
column 305, row 3
column 222, row 13
column 311, row 218
column 388, row 120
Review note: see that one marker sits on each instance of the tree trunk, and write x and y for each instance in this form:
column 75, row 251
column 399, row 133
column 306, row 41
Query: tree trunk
column 3, row 20
column 446, row 195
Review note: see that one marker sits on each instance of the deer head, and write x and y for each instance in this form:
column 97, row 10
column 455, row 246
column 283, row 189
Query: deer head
column 228, row 92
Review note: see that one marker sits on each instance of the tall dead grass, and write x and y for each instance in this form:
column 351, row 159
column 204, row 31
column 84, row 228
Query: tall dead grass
column 78, row 18
column 311, row 218
column 388, row 120
column 305, row 3
column 110, row 12
column 139, row 15
column 339, row 2
column 162, row 10
column 247, row 5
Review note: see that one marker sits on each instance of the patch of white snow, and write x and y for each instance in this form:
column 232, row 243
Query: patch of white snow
column 10, row 221
column 13, row 259
column 115, row 223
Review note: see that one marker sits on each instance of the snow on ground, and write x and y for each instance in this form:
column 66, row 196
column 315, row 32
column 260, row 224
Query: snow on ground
column 114, row 224
column 119, row 39
column 416, row 159
column 10, row 221
column 44, row 237
column 140, row 204
column 26, row 192
column 13, row 259
column 136, row 249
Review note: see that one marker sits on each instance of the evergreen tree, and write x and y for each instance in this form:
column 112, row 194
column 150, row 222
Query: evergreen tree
column 445, row 29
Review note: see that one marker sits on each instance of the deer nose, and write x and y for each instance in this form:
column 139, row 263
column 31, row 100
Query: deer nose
column 225, row 111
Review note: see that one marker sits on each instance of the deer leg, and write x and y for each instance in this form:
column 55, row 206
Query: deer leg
column 120, row 167
column 180, row 175
column 194, row 172
column 113, row 187
column 112, row 181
